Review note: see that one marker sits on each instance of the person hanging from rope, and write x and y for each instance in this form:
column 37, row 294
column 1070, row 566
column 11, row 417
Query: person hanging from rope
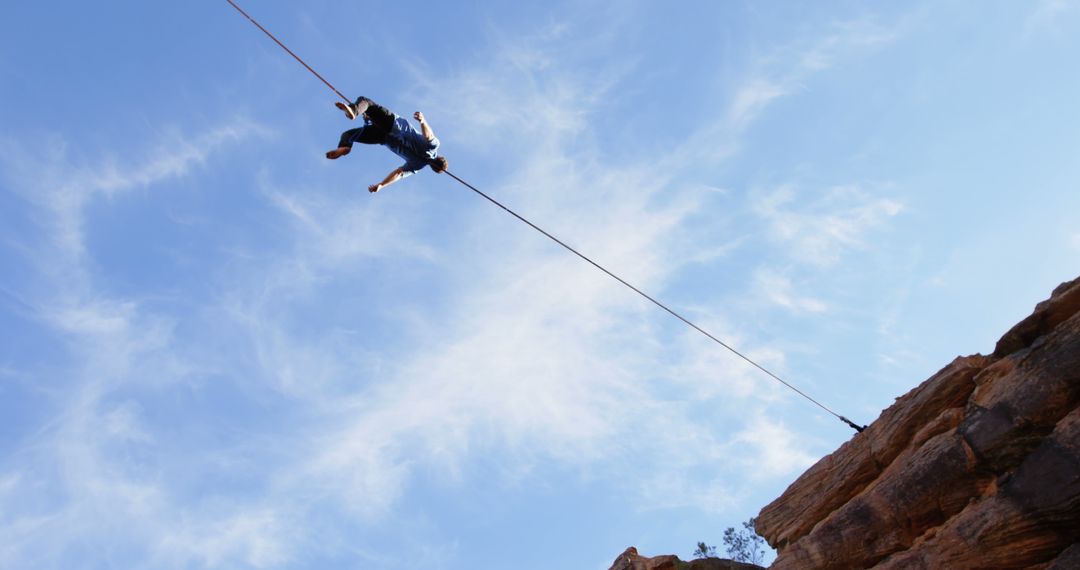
column 382, row 126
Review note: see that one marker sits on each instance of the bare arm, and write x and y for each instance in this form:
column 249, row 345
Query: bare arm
column 391, row 178
column 425, row 128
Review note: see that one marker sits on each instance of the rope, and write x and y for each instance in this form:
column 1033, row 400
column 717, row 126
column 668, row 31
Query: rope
column 689, row 323
column 856, row 427
column 316, row 73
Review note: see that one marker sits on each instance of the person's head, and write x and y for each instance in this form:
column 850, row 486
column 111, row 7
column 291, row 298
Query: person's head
column 439, row 164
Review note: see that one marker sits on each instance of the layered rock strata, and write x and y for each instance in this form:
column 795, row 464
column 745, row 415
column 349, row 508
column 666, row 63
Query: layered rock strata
column 978, row 467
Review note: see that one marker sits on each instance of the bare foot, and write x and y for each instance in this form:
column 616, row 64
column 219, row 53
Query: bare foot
column 337, row 152
column 347, row 109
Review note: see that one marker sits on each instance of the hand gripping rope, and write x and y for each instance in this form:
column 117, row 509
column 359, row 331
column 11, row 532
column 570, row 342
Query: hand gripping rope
column 853, row 425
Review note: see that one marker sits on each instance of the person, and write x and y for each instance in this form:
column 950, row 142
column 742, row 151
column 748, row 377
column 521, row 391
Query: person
column 381, row 126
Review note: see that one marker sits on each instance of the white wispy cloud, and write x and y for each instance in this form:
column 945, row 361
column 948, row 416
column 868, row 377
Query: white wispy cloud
column 88, row 487
column 254, row 538
column 752, row 98
column 1047, row 15
column 820, row 231
column 783, row 72
column 63, row 187
column 16, row 528
column 779, row 290
column 706, row 372
column 847, row 38
column 336, row 234
column 123, row 423
column 670, row 491
column 771, row 449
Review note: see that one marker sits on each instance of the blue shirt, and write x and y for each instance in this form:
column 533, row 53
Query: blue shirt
column 411, row 145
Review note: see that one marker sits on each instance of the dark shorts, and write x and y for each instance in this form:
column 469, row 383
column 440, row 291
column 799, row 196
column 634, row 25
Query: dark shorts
column 379, row 122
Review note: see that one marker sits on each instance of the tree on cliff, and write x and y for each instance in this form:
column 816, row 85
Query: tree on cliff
column 745, row 545
column 705, row 551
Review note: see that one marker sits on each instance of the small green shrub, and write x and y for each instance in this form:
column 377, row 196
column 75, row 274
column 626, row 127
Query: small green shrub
column 705, row 551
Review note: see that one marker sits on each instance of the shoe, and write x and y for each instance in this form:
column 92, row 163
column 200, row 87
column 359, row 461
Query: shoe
column 350, row 112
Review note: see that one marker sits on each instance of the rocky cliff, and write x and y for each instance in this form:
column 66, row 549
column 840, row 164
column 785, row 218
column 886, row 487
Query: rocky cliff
column 631, row 560
column 978, row 467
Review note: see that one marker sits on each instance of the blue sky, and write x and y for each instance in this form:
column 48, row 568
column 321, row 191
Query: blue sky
column 220, row 351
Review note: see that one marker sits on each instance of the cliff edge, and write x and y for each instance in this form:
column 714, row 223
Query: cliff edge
column 631, row 560
column 978, row 467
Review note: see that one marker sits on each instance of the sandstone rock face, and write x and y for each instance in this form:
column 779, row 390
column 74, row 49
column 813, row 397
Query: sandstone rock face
column 978, row 467
column 631, row 560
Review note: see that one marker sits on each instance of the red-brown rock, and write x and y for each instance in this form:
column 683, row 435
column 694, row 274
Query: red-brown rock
column 631, row 560
column 978, row 467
